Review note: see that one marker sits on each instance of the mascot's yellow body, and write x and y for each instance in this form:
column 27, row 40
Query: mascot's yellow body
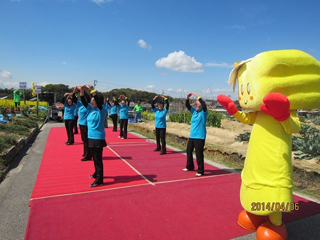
column 272, row 85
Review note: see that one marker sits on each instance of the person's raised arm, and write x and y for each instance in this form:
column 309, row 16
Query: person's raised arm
column 153, row 101
column 203, row 104
column 167, row 102
column 65, row 97
column 82, row 95
column 74, row 97
column 115, row 101
column 98, row 100
column 127, row 100
column 187, row 101
column 108, row 102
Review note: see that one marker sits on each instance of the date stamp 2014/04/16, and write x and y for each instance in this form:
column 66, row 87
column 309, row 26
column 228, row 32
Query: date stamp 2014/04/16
column 275, row 206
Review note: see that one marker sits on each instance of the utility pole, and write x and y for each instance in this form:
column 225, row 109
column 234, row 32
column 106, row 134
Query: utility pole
column 94, row 84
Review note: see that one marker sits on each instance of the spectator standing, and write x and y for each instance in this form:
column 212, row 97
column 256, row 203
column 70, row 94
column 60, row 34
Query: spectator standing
column 16, row 98
column 138, row 111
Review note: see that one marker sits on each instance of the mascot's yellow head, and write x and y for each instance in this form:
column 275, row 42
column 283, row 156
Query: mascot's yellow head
column 293, row 73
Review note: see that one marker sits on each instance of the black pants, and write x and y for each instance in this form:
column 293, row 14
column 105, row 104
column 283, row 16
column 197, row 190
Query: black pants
column 98, row 164
column 123, row 128
column 17, row 105
column 161, row 136
column 198, row 145
column 114, row 118
column 75, row 124
column 69, row 128
column 84, row 137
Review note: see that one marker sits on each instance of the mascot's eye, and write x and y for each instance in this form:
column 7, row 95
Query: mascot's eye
column 241, row 89
column 248, row 88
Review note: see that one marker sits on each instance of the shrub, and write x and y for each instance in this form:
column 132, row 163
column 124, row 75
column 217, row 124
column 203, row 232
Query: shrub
column 302, row 119
column 213, row 120
column 308, row 145
column 21, row 121
column 316, row 120
column 7, row 141
column 180, row 117
column 147, row 115
column 243, row 137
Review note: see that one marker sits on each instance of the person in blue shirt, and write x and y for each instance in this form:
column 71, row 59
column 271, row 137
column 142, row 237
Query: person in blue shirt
column 69, row 100
column 114, row 113
column 123, row 109
column 75, row 120
column 160, row 123
column 197, row 133
column 96, row 132
column 83, row 114
column 105, row 105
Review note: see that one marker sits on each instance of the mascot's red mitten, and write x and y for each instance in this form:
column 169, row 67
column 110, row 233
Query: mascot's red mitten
column 227, row 103
column 277, row 106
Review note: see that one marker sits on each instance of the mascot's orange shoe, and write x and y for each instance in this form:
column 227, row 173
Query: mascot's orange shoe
column 250, row 221
column 268, row 231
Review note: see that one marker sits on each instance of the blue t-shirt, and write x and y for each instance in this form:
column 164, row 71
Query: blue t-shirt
column 113, row 109
column 83, row 114
column 69, row 111
column 123, row 111
column 198, row 124
column 76, row 111
column 105, row 106
column 95, row 121
column 160, row 117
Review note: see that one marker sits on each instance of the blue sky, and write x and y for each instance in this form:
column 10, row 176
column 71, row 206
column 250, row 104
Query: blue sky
column 169, row 46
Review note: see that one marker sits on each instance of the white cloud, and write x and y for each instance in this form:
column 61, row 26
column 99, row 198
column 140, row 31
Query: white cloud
column 170, row 90
column 180, row 62
column 222, row 64
column 101, row 1
column 143, row 44
column 151, row 88
column 64, row 63
column 5, row 74
column 4, row 84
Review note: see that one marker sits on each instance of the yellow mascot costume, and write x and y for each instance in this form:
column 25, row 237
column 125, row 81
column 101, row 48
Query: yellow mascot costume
column 272, row 85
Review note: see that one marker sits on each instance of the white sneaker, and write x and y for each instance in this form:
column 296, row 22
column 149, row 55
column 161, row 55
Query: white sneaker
column 198, row 174
column 185, row 169
column 119, row 137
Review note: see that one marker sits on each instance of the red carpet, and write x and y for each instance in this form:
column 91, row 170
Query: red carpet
column 62, row 172
column 145, row 195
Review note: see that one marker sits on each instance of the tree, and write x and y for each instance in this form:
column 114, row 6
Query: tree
column 58, row 89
